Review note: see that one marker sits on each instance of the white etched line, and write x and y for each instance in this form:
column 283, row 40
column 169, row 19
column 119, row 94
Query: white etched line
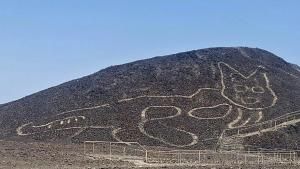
column 244, row 53
column 231, row 124
column 245, row 122
column 19, row 129
column 171, row 96
column 48, row 125
column 282, row 125
column 86, row 108
column 78, row 132
column 179, row 111
column 275, row 98
column 268, row 86
column 114, row 135
column 144, row 118
column 277, row 125
column 100, row 127
column 190, row 113
column 294, row 76
column 286, row 116
column 20, row 133
column 260, row 116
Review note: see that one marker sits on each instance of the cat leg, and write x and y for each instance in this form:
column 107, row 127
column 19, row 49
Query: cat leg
column 163, row 128
column 260, row 117
column 234, row 122
column 251, row 117
column 243, row 119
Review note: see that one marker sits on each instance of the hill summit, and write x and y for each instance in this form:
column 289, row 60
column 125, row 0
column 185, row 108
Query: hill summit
column 192, row 100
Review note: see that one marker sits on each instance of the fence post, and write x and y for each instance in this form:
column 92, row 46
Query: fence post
column 280, row 157
column 249, row 161
column 110, row 155
column 180, row 158
column 237, row 157
column 93, row 148
column 199, row 157
column 146, row 156
column 84, row 147
column 158, row 156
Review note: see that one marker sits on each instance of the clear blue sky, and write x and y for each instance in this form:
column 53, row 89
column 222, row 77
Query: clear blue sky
column 46, row 42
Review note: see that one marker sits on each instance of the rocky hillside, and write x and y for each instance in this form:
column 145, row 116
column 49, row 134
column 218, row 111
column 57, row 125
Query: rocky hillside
column 184, row 100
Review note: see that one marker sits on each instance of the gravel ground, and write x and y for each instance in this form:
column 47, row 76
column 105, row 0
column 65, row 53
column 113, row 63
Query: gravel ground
column 37, row 155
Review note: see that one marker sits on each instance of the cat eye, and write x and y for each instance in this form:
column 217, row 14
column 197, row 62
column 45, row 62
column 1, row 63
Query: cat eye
column 258, row 89
column 240, row 88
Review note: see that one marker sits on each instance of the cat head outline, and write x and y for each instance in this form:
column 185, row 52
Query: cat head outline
column 252, row 92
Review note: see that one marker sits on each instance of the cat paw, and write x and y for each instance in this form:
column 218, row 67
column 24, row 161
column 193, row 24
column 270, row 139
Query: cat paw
column 154, row 124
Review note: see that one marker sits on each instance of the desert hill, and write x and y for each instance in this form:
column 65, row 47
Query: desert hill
column 184, row 100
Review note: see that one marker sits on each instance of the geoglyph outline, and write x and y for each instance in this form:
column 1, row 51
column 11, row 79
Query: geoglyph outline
column 143, row 118
column 268, row 86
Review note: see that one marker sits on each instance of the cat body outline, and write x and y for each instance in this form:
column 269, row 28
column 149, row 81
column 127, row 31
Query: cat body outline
column 244, row 107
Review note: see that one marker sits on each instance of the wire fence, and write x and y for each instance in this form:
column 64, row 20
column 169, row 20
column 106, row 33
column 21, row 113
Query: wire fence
column 115, row 150
column 134, row 151
column 220, row 158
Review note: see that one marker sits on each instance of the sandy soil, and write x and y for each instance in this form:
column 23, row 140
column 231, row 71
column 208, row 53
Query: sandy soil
column 37, row 155
column 49, row 156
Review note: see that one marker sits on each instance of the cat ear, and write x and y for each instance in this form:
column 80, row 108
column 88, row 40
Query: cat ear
column 229, row 73
column 260, row 77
